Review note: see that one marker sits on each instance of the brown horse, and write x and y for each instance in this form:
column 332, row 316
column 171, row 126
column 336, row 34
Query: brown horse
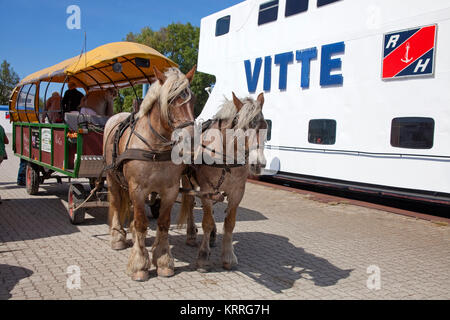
column 227, row 178
column 168, row 105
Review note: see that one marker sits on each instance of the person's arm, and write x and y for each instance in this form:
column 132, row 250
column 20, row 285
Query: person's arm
column 6, row 139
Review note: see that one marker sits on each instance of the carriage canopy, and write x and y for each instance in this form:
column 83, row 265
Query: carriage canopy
column 117, row 64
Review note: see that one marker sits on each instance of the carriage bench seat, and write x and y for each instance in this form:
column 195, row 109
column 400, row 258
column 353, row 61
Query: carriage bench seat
column 75, row 119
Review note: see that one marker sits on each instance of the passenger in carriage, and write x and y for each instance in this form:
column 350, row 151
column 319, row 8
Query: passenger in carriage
column 72, row 98
column 53, row 109
column 99, row 102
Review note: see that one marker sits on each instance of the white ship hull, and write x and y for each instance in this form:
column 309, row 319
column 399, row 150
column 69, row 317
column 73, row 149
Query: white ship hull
column 363, row 104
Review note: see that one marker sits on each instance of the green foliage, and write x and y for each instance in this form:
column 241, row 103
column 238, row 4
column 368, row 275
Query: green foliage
column 179, row 42
column 8, row 80
column 124, row 100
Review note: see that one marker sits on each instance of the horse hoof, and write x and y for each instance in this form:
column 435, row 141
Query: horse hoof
column 119, row 245
column 228, row 266
column 140, row 276
column 191, row 242
column 203, row 269
column 165, row 272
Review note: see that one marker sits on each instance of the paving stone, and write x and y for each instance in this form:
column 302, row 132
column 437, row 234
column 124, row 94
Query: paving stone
column 288, row 247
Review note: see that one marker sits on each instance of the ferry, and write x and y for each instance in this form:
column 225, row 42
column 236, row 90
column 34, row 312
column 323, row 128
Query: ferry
column 357, row 93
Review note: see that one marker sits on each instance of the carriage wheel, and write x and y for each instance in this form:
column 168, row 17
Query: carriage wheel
column 32, row 179
column 76, row 196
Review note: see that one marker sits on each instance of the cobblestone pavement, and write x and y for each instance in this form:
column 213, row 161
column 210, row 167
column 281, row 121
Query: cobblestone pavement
column 288, row 247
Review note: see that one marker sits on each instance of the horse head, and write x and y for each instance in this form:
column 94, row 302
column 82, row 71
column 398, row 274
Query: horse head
column 176, row 98
column 250, row 118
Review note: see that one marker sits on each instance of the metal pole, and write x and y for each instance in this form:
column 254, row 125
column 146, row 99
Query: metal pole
column 145, row 87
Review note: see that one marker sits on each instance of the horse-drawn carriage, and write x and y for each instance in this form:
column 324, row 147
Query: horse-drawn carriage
column 73, row 147
column 136, row 152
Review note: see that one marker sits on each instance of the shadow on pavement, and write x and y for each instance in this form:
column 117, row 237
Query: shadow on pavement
column 271, row 260
column 33, row 218
column 9, row 277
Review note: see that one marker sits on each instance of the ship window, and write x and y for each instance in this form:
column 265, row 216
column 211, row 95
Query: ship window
column 269, row 129
column 324, row 2
column 322, row 131
column 268, row 12
column 412, row 133
column 295, row 6
column 223, row 26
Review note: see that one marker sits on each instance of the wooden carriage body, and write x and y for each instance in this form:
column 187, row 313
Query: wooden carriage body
column 73, row 148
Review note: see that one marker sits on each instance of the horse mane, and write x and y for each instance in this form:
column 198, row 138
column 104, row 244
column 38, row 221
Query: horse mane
column 175, row 83
column 249, row 111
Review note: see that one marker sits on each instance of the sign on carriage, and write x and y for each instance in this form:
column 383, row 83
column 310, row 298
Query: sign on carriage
column 46, row 143
column 35, row 138
column 409, row 52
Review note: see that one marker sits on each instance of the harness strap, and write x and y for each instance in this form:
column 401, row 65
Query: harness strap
column 225, row 159
column 162, row 138
column 143, row 155
column 132, row 154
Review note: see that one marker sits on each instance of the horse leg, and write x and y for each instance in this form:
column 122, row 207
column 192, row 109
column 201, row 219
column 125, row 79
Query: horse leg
column 139, row 261
column 118, row 234
column 203, row 261
column 228, row 257
column 213, row 236
column 162, row 257
column 191, row 229
column 187, row 213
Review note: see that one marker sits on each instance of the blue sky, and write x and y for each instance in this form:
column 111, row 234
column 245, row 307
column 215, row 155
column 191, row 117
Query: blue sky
column 34, row 33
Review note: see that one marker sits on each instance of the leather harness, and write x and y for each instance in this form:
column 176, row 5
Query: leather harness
column 138, row 154
column 157, row 156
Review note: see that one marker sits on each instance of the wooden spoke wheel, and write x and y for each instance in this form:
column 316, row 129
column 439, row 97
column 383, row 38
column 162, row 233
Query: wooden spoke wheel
column 76, row 197
column 32, row 179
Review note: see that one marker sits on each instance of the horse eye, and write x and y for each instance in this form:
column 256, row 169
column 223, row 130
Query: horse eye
column 184, row 94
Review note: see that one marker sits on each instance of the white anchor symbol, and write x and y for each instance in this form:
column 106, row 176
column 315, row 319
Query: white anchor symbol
column 406, row 59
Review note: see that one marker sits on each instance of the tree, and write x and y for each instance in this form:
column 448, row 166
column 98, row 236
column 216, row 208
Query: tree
column 179, row 42
column 124, row 100
column 8, row 80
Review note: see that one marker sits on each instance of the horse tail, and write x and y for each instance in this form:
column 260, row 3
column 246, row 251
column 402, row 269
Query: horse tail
column 125, row 212
column 124, row 209
column 187, row 202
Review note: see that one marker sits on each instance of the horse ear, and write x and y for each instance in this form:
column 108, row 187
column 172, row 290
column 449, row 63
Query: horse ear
column 260, row 99
column 238, row 104
column 190, row 74
column 159, row 75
